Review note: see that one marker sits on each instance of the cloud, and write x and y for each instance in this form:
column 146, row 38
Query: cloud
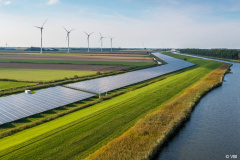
column 4, row 3
column 51, row 2
column 7, row 2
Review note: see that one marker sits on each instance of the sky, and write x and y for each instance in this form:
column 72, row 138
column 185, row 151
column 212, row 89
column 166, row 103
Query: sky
column 134, row 23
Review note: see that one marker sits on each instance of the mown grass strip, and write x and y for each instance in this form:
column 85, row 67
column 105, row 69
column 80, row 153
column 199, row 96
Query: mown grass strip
column 11, row 85
column 83, row 136
column 76, row 62
column 144, row 139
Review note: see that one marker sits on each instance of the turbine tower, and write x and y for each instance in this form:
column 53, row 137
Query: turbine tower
column 68, row 33
column 101, row 39
column 111, row 39
column 88, row 36
column 41, row 28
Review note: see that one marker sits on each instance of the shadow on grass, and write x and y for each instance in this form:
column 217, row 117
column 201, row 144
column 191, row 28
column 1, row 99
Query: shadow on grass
column 7, row 126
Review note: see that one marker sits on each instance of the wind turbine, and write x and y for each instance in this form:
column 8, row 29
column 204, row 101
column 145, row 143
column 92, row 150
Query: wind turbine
column 68, row 33
column 101, row 39
column 111, row 39
column 41, row 28
column 88, row 36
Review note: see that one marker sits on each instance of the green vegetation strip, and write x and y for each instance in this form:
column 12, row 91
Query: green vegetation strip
column 11, row 85
column 79, row 134
column 219, row 53
column 76, row 62
column 40, row 74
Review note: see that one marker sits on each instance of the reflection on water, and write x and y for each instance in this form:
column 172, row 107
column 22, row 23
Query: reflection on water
column 213, row 132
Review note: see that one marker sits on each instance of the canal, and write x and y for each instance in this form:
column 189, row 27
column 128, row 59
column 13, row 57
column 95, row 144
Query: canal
column 213, row 131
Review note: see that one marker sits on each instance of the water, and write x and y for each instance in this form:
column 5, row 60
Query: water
column 213, row 131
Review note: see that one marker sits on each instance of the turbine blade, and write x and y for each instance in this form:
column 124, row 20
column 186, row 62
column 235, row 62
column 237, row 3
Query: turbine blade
column 85, row 32
column 91, row 33
column 65, row 29
column 44, row 23
column 71, row 30
column 37, row 27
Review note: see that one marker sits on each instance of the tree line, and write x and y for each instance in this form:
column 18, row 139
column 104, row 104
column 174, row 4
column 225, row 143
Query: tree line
column 220, row 53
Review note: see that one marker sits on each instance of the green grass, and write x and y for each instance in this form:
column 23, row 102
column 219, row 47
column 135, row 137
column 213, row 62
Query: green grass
column 39, row 74
column 79, row 134
column 9, row 84
column 76, row 62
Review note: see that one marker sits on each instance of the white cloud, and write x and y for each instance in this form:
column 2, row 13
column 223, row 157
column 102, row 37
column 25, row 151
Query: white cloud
column 4, row 3
column 51, row 2
column 173, row 2
column 7, row 2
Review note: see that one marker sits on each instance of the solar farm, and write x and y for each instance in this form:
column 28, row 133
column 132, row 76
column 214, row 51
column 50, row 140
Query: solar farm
column 106, row 84
column 23, row 105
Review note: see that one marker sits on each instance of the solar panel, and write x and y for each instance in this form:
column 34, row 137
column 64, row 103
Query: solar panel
column 106, row 84
column 23, row 105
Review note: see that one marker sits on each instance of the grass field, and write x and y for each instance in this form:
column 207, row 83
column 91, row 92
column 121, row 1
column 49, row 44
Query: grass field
column 9, row 84
column 79, row 134
column 77, row 62
column 40, row 75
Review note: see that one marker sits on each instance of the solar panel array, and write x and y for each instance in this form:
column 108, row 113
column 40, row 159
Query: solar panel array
column 23, row 105
column 106, row 84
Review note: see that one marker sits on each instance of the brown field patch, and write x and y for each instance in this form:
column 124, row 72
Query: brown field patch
column 63, row 66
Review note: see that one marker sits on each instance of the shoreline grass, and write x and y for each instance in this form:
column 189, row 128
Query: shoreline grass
column 83, row 136
column 148, row 136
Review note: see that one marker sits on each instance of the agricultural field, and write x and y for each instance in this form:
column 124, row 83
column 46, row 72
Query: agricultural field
column 80, row 57
column 40, row 75
column 121, row 63
column 78, row 134
column 49, row 67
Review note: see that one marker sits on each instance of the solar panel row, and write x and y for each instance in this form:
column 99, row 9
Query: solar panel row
column 106, row 84
column 23, row 105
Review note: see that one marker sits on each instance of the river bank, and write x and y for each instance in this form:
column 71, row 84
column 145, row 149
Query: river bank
column 144, row 140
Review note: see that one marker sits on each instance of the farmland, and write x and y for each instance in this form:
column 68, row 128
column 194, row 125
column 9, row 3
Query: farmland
column 76, row 62
column 79, row 134
column 39, row 75
column 50, row 67
column 79, row 59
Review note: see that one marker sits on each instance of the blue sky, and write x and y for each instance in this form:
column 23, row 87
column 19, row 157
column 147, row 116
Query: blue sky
column 156, row 23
